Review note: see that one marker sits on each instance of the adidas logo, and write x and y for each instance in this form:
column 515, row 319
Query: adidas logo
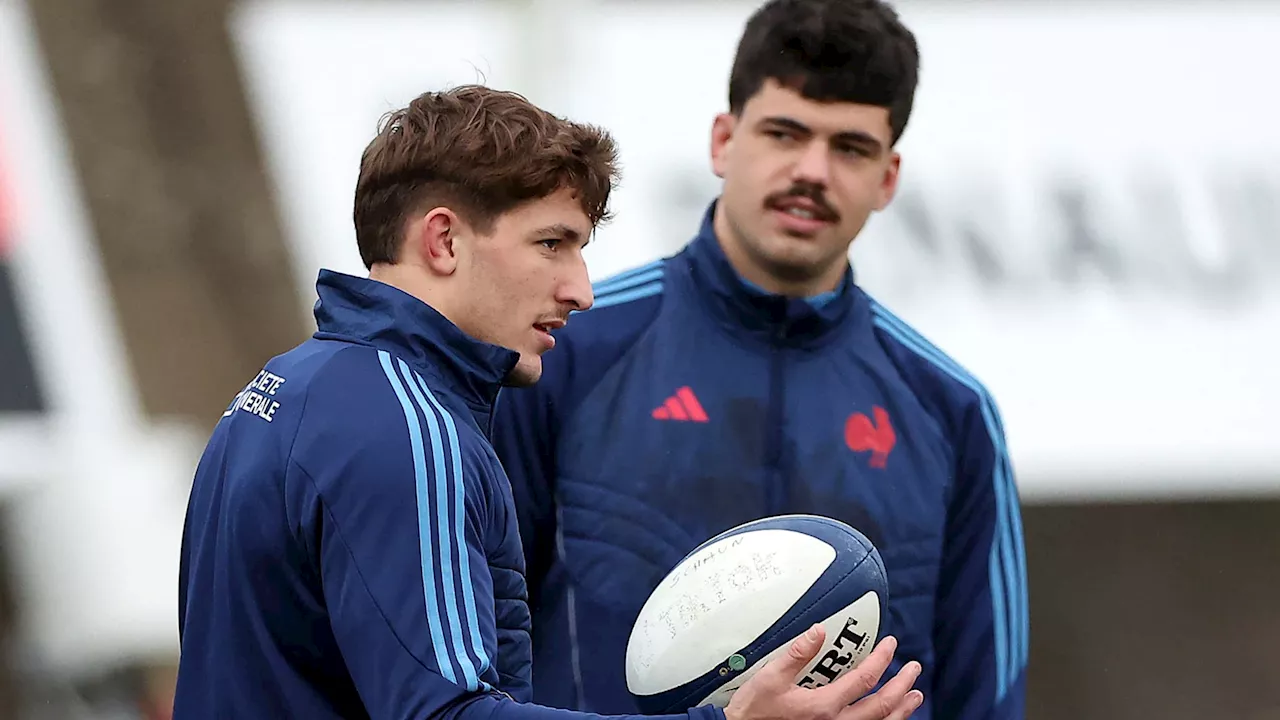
column 683, row 406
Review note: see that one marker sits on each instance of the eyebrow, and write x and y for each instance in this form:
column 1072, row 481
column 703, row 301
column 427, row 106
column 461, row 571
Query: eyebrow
column 856, row 137
column 561, row 230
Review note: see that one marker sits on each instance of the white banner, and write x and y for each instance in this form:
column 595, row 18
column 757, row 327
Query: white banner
column 1088, row 217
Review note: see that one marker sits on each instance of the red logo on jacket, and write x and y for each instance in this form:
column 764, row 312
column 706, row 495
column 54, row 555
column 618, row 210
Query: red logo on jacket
column 862, row 435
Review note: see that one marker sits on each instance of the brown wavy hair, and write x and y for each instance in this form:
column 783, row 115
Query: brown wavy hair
column 480, row 152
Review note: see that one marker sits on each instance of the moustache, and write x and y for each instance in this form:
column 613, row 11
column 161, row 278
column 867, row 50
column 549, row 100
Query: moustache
column 555, row 321
column 822, row 210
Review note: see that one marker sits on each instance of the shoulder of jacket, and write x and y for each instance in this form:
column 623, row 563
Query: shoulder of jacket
column 927, row 369
column 636, row 284
column 593, row 340
column 367, row 402
column 364, row 392
column 624, row 303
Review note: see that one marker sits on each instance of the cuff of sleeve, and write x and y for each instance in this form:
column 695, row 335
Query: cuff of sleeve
column 706, row 712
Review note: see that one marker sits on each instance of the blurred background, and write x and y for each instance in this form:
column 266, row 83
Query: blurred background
column 1089, row 220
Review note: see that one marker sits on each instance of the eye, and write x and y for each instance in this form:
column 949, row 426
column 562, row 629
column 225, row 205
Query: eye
column 550, row 243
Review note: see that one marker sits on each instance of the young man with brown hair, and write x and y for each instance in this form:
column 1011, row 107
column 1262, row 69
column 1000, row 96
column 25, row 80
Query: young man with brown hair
column 351, row 549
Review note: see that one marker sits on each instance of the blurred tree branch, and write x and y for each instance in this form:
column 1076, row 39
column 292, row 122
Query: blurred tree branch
column 165, row 147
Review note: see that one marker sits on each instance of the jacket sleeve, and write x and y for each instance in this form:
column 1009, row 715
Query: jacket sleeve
column 982, row 624
column 392, row 507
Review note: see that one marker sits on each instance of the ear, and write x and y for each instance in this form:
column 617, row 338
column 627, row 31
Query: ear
column 432, row 241
column 889, row 183
column 721, row 140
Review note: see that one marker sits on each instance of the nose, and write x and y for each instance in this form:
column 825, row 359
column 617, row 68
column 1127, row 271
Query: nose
column 813, row 165
column 574, row 289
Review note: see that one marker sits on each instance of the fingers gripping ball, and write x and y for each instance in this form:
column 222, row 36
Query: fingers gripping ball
column 740, row 599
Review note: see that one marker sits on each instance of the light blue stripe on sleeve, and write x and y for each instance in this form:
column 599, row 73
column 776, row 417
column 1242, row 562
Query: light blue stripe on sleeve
column 630, row 278
column 1007, row 562
column 448, row 486
column 459, row 530
column 629, row 295
column 425, row 542
column 1024, row 627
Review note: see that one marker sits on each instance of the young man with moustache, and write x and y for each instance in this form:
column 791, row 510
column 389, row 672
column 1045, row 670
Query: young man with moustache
column 748, row 375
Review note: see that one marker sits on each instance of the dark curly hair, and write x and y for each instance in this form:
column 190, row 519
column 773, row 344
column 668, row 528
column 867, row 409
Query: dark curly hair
column 829, row 50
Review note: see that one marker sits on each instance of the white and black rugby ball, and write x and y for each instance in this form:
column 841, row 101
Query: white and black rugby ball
column 740, row 599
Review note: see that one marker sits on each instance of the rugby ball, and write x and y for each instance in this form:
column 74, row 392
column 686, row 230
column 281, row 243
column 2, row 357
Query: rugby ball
column 738, row 600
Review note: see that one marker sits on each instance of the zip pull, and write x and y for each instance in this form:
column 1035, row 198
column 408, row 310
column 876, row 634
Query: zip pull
column 495, row 691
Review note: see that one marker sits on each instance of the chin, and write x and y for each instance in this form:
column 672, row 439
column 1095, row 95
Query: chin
column 528, row 371
column 794, row 266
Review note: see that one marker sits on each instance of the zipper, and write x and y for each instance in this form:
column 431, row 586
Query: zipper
column 493, row 414
column 776, row 492
column 575, row 653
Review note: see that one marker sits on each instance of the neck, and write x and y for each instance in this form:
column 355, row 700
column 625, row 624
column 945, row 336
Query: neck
column 412, row 281
column 754, row 272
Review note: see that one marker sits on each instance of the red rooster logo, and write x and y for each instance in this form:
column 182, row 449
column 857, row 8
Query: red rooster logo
column 862, row 435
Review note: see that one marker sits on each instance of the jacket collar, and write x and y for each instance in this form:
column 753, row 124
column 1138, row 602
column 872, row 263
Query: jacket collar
column 373, row 313
column 742, row 305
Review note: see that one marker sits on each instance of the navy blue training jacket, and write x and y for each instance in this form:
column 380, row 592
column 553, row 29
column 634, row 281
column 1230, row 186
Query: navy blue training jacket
column 351, row 549
column 686, row 402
